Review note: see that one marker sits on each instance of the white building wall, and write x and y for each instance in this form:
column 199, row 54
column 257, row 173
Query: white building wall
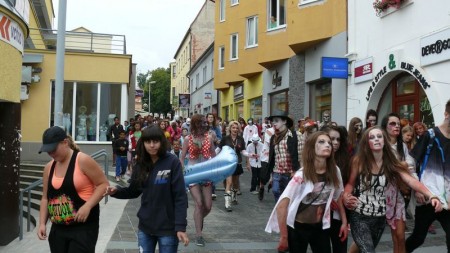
column 397, row 32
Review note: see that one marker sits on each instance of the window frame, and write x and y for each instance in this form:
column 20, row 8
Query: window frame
column 221, row 62
column 234, row 47
column 255, row 32
column 269, row 15
column 234, row 2
column 222, row 14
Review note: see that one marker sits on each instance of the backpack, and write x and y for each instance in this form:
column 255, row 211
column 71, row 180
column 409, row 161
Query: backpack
column 427, row 153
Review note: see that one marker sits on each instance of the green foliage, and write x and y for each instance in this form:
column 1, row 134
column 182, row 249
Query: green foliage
column 159, row 82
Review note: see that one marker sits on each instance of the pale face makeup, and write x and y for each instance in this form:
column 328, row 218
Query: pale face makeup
column 393, row 127
column 278, row 124
column 371, row 121
column 376, row 141
column 335, row 139
column 358, row 127
column 323, row 146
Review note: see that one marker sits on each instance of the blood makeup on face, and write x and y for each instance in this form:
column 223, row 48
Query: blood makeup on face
column 376, row 141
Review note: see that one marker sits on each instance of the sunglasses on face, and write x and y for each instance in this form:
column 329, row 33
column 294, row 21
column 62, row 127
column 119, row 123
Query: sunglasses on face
column 393, row 124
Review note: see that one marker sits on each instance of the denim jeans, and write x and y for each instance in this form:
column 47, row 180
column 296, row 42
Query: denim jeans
column 166, row 244
column 279, row 183
column 121, row 165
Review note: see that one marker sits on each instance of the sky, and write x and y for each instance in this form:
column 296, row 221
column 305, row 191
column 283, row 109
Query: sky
column 153, row 29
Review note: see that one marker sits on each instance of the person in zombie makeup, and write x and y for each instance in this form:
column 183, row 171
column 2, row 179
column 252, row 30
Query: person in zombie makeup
column 283, row 153
column 326, row 119
column 371, row 118
column 251, row 130
column 354, row 135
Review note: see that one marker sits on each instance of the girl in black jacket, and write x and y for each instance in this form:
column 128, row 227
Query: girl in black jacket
column 158, row 176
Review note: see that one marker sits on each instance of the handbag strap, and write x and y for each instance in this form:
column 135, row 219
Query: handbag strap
column 303, row 207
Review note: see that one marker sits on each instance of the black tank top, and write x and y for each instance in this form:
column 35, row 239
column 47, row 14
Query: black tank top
column 63, row 203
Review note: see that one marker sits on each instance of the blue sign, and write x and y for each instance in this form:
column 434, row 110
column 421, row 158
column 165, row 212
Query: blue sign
column 333, row 67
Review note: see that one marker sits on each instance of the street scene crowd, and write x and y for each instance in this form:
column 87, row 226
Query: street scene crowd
column 327, row 180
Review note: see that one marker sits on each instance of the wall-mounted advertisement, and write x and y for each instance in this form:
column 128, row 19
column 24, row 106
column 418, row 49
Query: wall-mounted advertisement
column 333, row 67
column 185, row 100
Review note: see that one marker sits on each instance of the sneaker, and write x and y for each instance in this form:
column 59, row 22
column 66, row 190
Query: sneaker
column 213, row 196
column 117, row 179
column 234, row 197
column 122, row 176
column 199, row 241
column 254, row 192
column 261, row 194
column 228, row 201
column 238, row 192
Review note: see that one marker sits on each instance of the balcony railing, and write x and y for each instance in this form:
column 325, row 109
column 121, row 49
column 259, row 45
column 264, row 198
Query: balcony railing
column 77, row 41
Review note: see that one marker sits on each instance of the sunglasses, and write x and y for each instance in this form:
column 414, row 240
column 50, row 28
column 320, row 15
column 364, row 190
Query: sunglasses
column 393, row 124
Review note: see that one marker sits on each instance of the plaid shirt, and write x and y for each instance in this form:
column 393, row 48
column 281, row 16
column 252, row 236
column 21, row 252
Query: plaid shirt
column 300, row 144
column 283, row 162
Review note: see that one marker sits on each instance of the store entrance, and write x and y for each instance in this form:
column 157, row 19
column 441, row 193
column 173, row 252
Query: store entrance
column 406, row 97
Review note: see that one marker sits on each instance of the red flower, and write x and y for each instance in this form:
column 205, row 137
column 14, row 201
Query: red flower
column 382, row 5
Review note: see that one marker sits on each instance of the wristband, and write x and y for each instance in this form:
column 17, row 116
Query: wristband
column 434, row 197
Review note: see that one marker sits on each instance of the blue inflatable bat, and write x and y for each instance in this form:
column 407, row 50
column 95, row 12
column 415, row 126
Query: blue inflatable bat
column 216, row 169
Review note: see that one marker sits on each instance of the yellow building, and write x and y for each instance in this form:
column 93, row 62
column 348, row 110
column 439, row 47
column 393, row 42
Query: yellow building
column 98, row 86
column 197, row 39
column 268, row 57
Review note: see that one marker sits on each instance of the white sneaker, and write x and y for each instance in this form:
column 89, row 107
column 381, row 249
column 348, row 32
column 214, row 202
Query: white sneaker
column 234, row 197
column 228, row 201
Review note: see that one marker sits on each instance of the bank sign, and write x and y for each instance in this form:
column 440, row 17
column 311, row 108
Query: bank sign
column 11, row 33
column 333, row 67
column 435, row 48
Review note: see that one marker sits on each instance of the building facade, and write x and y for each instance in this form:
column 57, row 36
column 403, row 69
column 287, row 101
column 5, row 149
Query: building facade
column 400, row 64
column 196, row 40
column 269, row 62
column 204, row 97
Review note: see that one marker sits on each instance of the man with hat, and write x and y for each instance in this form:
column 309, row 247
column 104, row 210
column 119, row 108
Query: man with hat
column 283, row 153
column 254, row 150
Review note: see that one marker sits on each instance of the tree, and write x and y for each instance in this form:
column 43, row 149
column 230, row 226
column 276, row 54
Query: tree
column 159, row 82
column 142, row 79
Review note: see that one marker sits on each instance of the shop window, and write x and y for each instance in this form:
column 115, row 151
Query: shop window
column 234, row 2
column 279, row 103
column 256, row 109
column 89, row 117
column 406, row 85
column 320, row 98
column 240, row 110
column 276, row 14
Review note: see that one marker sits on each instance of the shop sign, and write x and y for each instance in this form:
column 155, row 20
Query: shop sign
column 333, row 67
column 238, row 92
column 408, row 67
column 11, row 33
column 276, row 80
column 208, row 95
column 435, row 48
column 363, row 70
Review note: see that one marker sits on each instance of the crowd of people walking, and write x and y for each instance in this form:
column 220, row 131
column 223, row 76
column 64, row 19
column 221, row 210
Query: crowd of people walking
column 327, row 180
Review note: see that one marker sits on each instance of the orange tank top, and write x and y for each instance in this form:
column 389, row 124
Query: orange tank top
column 84, row 186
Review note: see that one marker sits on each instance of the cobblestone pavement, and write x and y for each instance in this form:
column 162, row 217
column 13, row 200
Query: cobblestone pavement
column 241, row 230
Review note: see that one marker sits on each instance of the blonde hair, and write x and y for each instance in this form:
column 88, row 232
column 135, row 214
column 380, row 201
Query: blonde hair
column 233, row 122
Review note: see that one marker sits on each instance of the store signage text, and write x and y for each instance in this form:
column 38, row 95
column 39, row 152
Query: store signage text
column 11, row 33
column 435, row 48
column 404, row 66
column 363, row 70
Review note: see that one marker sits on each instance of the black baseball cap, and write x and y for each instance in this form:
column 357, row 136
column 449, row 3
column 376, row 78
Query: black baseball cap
column 51, row 138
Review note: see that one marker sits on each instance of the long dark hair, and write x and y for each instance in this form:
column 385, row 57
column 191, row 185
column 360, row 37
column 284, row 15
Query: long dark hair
column 341, row 156
column 384, row 123
column 391, row 167
column 309, row 156
column 144, row 161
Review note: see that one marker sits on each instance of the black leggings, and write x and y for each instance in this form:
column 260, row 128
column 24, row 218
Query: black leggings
column 338, row 245
column 425, row 215
column 311, row 234
column 73, row 239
